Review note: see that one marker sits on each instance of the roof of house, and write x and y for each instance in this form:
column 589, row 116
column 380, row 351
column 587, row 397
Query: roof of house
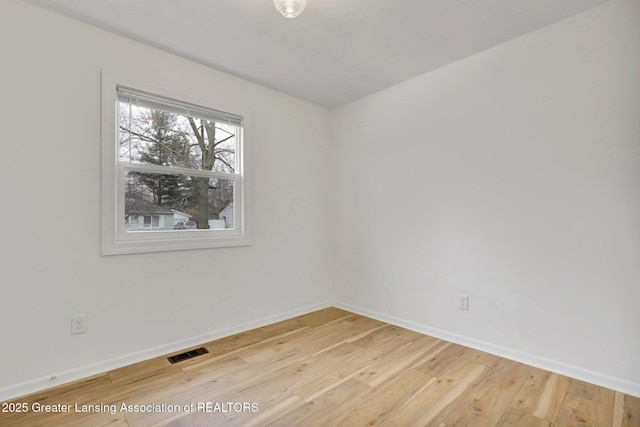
column 175, row 211
column 140, row 207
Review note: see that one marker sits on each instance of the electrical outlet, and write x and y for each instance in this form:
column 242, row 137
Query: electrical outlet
column 78, row 324
column 463, row 302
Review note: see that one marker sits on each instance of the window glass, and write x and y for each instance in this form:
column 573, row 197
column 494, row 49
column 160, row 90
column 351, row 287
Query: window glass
column 172, row 173
column 163, row 135
column 208, row 203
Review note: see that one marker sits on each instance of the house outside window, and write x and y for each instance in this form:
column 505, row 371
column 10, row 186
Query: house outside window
column 168, row 162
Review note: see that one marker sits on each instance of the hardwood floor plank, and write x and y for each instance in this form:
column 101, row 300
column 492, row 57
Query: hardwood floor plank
column 317, row 385
column 597, row 394
column 517, row 418
column 347, row 367
column 386, row 339
column 323, row 316
column 269, row 382
column 241, row 340
column 194, row 419
column 626, row 411
column 250, row 350
column 327, row 406
column 270, row 409
column 381, row 403
column 269, row 351
column 442, row 361
column 488, row 400
column 433, row 404
column 288, row 325
column 542, row 394
column 331, row 335
column 331, row 368
column 97, row 420
column 486, row 359
column 401, row 359
column 580, row 412
column 145, row 372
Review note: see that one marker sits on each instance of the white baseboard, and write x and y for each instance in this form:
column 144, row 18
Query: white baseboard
column 597, row 378
column 39, row 384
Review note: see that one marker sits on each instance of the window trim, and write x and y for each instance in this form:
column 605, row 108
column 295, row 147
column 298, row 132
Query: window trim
column 115, row 239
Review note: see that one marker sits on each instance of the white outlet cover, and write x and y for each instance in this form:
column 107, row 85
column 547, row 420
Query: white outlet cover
column 79, row 324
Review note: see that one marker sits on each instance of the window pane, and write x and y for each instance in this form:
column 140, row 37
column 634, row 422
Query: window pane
column 165, row 138
column 177, row 202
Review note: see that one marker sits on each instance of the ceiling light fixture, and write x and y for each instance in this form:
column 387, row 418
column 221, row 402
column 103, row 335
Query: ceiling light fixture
column 290, row 8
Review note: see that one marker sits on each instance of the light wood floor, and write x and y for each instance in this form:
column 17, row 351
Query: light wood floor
column 332, row 368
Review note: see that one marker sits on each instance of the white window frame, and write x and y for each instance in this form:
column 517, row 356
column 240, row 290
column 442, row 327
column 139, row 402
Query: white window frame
column 115, row 239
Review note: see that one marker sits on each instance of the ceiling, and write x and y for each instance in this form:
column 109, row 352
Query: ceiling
column 336, row 51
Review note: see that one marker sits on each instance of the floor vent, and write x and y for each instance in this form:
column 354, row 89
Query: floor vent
column 188, row 355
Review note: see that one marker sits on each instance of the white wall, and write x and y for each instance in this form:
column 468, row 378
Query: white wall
column 50, row 173
column 512, row 176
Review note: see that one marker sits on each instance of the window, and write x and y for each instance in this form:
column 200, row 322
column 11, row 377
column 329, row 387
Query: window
column 172, row 172
column 152, row 221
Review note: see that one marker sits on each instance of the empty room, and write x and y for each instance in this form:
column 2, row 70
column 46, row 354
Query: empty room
column 320, row 213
